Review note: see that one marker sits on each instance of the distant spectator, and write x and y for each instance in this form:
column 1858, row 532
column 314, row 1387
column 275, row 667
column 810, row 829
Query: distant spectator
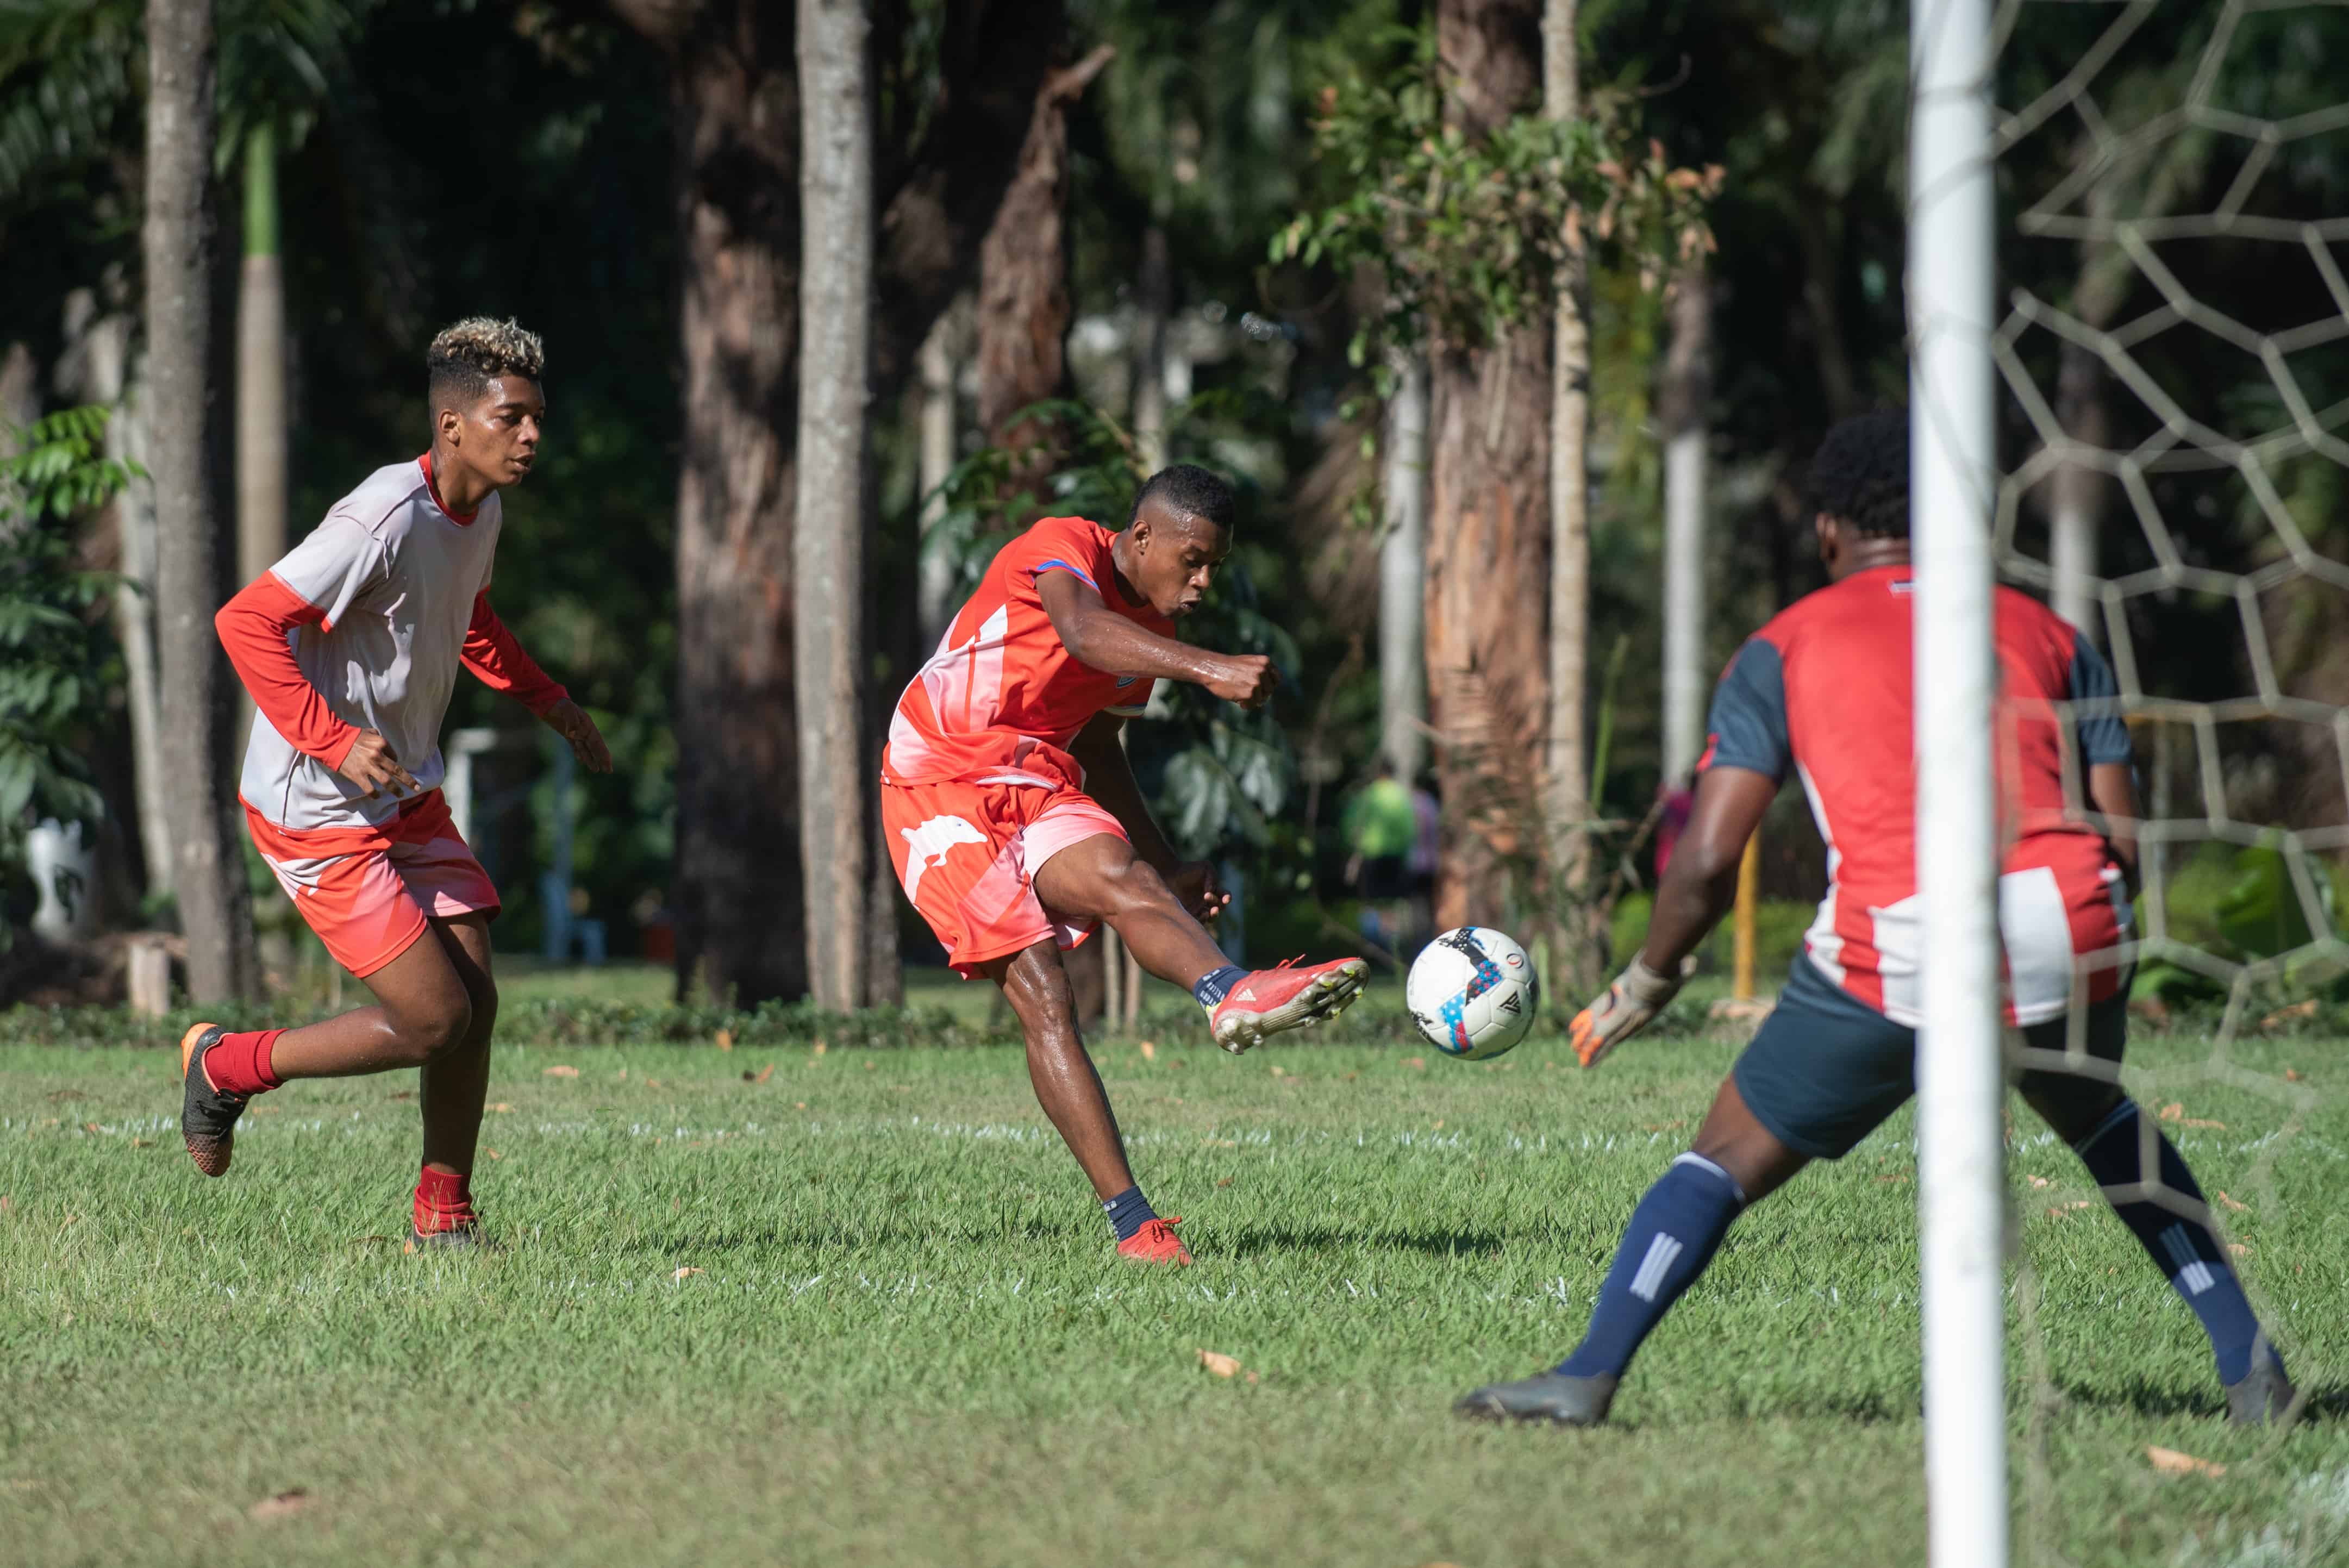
column 1381, row 828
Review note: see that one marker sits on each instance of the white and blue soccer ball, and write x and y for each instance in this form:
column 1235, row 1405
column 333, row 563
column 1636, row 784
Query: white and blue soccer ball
column 1473, row 992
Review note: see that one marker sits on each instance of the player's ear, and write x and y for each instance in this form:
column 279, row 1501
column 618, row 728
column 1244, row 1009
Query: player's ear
column 450, row 424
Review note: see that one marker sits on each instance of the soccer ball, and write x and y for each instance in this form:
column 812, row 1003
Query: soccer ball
column 1473, row 992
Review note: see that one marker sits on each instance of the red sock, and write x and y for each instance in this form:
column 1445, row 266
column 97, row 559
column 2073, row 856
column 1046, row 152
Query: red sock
column 444, row 1201
column 240, row 1063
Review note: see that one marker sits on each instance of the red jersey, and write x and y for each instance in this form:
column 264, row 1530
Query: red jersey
column 1002, row 694
column 1825, row 690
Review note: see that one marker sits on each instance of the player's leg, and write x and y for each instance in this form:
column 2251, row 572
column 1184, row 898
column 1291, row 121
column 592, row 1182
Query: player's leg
column 422, row 1009
column 1036, row 983
column 2154, row 1193
column 1085, row 872
column 1822, row 1073
column 452, row 1089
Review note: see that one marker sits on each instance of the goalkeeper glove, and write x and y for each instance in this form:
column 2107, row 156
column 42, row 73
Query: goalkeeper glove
column 1630, row 1004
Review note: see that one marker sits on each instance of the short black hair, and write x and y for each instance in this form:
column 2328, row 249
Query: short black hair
column 465, row 358
column 1861, row 473
column 1188, row 488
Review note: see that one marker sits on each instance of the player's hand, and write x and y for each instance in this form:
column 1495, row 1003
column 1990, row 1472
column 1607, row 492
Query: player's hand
column 370, row 765
column 1628, row 1006
column 1193, row 884
column 569, row 720
column 1246, row 679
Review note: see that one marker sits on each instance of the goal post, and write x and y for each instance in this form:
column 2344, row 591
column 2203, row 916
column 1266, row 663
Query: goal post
column 1952, row 484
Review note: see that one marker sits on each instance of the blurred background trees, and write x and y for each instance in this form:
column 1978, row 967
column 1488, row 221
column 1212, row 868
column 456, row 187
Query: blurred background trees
column 1076, row 277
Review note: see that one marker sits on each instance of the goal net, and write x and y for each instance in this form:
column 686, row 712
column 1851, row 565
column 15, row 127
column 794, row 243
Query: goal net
column 2168, row 452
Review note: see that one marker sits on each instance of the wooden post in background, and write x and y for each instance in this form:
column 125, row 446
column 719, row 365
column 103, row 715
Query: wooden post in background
column 1749, row 897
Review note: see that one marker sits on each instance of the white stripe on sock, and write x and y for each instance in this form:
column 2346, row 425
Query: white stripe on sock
column 1662, row 1253
column 2193, row 1275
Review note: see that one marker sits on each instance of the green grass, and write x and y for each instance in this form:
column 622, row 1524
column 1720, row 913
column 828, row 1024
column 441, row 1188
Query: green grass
column 908, row 1341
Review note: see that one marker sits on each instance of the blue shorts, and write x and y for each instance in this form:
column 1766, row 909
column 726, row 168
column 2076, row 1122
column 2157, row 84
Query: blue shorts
column 1826, row 1070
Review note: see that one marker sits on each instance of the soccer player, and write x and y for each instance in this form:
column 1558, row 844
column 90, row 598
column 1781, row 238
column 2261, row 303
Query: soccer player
column 1825, row 690
column 1016, row 825
column 350, row 646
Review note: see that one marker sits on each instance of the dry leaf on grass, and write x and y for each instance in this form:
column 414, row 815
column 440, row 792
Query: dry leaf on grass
column 2292, row 1075
column 1222, row 1366
column 765, row 1073
column 1222, row 1181
column 725, row 1039
column 1414, row 1061
column 2041, row 1182
column 2240, row 1250
column 562, row 1070
column 89, row 1127
column 2063, row 1209
column 284, row 1503
column 494, row 1154
column 2173, row 1111
column 502, row 1109
column 654, row 1083
column 817, row 1049
column 2283, row 1017
column 683, row 1271
column 403, row 1094
column 142, row 1143
column 2234, row 1203
column 799, row 1105
column 2203, row 1121
column 2170, row 1461
column 1149, row 1051
column 7, row 1204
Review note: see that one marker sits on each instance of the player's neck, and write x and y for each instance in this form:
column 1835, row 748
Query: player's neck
column 1120, row 565
column 1869, row 554
column 459, row 491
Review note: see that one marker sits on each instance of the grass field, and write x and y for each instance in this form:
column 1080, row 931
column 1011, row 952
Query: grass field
column 859, row 1309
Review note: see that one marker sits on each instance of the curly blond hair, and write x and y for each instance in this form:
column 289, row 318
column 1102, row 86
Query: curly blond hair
column 464, row 357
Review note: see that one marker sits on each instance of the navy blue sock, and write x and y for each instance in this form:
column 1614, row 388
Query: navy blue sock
column 1673, row 1234
column 1128, row 1212
column 2127, row 1152
column 1217, row 984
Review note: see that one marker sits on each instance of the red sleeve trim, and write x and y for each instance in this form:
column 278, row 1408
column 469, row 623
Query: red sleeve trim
column 253, row 627
column 497, row 660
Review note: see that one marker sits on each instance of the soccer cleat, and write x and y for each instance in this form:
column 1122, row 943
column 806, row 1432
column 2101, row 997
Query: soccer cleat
column 1156, row 1243
column 1553, row 1396
column 1267, row 1001
column 2265, row 1395
column 467, row 1237
column 207, row 1116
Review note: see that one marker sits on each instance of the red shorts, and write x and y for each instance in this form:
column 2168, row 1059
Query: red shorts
column 967, row 851
column 367, row 890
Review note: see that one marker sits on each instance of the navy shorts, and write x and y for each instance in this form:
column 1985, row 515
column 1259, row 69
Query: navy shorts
column 1826, row 1070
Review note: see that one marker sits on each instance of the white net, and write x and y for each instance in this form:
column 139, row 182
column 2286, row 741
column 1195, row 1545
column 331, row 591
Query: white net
column 2173, row 390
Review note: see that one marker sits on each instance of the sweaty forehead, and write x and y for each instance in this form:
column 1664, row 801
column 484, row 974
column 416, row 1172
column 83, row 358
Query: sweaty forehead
column 512, row 392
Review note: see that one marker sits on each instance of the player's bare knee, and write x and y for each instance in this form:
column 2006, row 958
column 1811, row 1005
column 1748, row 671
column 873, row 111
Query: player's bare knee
column 442, row 1025
column 1133, row 888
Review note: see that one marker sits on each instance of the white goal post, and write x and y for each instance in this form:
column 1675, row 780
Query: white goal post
column 1960, row 1183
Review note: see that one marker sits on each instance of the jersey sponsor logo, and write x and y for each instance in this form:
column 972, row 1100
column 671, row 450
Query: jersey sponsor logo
column 929, row 845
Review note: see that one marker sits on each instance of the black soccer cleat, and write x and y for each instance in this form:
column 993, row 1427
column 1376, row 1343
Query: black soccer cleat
column 2265, row 1395
column 1554, row 1397
column 207, row 1116
column 468, row 1237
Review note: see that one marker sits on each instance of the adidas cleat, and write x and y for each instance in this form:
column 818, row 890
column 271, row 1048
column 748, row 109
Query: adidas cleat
column 207, row 1116
column 1554, row 1397
column 2265, row 1395
column 1269, row 1001
column 1156, row 1243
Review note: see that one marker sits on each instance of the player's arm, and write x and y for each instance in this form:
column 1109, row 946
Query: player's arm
column 1745, row 760
column 2105, row 751
column 497, row 660
column 1110, row 780
column 1097, row 636
column 252, row 627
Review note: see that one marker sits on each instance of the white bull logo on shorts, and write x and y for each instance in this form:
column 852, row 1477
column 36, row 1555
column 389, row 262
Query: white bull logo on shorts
column 929, row 845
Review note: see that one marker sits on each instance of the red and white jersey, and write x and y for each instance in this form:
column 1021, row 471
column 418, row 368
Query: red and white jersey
column 1825, row 690
column 365, row 625
column 1002, row 695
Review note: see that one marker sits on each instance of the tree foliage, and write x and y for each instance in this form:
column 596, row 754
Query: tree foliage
column 1473, row 236
column 53, row 659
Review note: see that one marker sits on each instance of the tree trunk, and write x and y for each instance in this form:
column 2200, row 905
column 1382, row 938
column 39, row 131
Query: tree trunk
column 1578, row 947
column 1488, row 531
column 188, row 371
column 1403, row 573
column 740, row 920
column 1155, row 306
column 835, row 371
column 937, row 422
column 260, row 368
column 1681, row 404
column 1023, row 281
column 2076, row 490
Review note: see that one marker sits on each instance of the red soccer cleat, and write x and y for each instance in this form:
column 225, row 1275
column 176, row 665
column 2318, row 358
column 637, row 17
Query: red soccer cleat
column 1156, row 1243
column 1267, row 1001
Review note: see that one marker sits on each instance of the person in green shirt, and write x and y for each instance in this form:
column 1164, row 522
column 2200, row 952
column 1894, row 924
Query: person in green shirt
column 1381, row 827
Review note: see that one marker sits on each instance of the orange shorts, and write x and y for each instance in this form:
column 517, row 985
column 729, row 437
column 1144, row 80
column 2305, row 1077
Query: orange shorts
column 967, row 851
column 367, row 890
